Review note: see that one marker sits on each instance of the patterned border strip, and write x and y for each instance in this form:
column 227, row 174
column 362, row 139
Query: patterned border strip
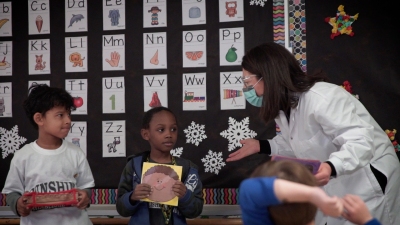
column 297, row 21
column 2, row 200
column 278, row 21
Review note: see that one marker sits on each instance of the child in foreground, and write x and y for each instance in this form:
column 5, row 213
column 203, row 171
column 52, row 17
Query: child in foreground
column 285, row 193
column 49, row 164
column 160, row 129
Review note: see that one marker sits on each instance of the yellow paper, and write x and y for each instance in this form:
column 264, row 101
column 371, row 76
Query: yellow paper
column 161, row 178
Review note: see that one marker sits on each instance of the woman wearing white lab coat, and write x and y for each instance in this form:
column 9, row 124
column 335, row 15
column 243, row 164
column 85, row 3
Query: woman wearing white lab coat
column 319, row 120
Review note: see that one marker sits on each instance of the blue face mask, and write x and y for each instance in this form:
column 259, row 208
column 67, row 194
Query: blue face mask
column 251, row 95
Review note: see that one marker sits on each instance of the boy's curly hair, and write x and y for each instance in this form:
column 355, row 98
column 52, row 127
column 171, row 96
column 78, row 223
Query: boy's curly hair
column 42, row 98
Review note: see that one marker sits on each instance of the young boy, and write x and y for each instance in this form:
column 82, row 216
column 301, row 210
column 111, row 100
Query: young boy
column 160, row 129
column 49, row 164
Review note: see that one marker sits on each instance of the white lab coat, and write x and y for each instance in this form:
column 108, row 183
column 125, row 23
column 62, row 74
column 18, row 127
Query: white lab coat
column 331, row 124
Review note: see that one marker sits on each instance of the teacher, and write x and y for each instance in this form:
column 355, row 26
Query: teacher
column 320, row 120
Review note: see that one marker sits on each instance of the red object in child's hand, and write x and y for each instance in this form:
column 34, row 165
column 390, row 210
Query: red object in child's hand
column 60, row 199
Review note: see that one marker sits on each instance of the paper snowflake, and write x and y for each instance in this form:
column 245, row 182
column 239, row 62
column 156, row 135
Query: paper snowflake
column 237, row 131
column 213, row 162
column 177, row 152
column 258, row 2
column 195, row 133
column 10, row 141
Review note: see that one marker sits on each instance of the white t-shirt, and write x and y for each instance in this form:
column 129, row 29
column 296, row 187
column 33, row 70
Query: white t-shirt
column 36, row 169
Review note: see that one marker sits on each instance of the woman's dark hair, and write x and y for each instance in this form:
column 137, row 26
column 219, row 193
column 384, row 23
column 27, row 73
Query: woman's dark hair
column 289, row 213
column 282, row 76
column 43, row 98
column 150, row 113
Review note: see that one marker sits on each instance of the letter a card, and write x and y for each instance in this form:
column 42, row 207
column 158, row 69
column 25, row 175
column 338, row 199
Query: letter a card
column 194, row 91
column 77, row 135
column 78, row 88
column 113, row 95
column 155, row 92
column 6, row 99
column 114, row 141
column 76, row 16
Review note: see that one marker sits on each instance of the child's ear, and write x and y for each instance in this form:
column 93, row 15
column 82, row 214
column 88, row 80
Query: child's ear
column 38, row 118
column 145, row 134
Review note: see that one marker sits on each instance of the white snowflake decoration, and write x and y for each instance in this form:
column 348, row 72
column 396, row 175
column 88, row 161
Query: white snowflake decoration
column 213, row 162
column 195, row 133
column 177, row 152
column 10, row 141
column 258, row 2
column 237, row 131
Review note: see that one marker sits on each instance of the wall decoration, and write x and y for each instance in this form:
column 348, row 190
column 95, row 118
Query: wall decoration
column 114, row 14
column 194, row 91
column 194, row 48
column 231, row 93
column 114, row 52
column 193, row 12
column 78, row 88
column 10, row 141
column 154, row 13
column 213, row 162
column 258, row 2
column 297, row 26
column 230, row 11
column 341, row 23
column 155, row 91
column 155, row 50
column 5, row 19
column 391, row 134
column 76, row 56
column 114, row 95
column 6, row 99
column 195, row 133
column 39, row 56
column 177, row 152
column 39, row 16
column 114, row 138
column 231, row 42
column 6, row 47
column 236, row 132
column 76, row 16
column 78, row 135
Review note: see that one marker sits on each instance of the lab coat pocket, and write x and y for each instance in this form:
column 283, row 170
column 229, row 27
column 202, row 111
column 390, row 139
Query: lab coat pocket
column 317, row 147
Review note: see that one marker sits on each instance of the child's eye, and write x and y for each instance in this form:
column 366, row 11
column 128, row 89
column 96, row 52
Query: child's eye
column 174, row 129
column 161, row 129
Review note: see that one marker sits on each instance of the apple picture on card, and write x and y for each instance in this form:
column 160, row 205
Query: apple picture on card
column 78, row 101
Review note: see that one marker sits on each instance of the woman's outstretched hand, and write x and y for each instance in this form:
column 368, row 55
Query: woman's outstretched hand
column 250, row 146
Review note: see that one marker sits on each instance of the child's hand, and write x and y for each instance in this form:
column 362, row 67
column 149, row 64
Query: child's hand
column 22, row 207
column 179, row 189
column 355, row 210
column 141, row 191
column 83, row 199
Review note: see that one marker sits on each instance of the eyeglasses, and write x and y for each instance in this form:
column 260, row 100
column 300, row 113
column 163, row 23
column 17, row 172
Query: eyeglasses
column 249, row 86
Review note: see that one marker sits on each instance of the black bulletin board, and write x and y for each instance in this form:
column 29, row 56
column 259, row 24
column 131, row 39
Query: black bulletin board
column 257, row 27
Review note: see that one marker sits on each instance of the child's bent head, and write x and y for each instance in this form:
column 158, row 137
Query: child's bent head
column 150, row 113
column 43, row 98
column 289, row 213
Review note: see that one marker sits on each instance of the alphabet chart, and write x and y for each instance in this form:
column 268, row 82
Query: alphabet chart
column 231, row 46
column 114, row 141
column 231, row 10
column 231, row 93
column 194, row 91
column 5, row 19
column 39, row 56
column 77, row 135
column 154, row 13
column 76, row 56
column 78, row 88
column 113, row 95
column 194, row 49
column 6, row 47
column 39, row 16
column 6, row 99
column 76, row 16
column 155, row 91
column 34, row 82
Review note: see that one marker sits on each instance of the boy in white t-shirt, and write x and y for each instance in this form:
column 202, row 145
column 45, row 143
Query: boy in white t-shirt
column 49, row 164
